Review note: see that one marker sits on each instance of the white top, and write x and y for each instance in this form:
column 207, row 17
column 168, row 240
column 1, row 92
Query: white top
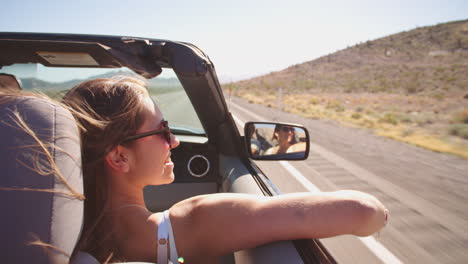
column 165, row 236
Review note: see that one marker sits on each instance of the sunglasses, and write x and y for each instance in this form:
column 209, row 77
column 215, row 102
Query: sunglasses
column 287, row 129
column 165, row 130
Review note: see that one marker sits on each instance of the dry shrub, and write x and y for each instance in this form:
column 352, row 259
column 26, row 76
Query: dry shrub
column 438, row 96
column 461, row 117
column 460, row 130
column 407, row 132
column 423, row 118
column 389, row 118
column 356, row 116
column 340, row 108
column 412, row 86
column 369, row 123
column 336, row 105
column 314, row 100
column 405, row 118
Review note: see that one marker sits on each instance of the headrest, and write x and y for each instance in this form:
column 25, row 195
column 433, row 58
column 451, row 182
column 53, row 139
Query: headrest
column 9, row 82
column 41, row 213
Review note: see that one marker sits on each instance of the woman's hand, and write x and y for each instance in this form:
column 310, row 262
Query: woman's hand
column 373, row 212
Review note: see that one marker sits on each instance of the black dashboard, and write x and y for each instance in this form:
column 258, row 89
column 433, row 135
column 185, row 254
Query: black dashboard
column 195, row 161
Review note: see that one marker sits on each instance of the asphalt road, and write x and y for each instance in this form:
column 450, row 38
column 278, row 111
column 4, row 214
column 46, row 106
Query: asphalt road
column 426, row 192
column 176, row 106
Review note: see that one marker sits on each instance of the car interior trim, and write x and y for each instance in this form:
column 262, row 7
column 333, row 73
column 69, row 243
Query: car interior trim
column 198, row 162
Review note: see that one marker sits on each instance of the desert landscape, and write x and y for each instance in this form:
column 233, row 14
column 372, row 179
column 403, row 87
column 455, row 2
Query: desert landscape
column 411, row 86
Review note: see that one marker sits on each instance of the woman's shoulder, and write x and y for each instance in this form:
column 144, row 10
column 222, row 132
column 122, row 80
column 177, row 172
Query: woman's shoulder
column 140, row 220
column 298, row 147
column 135, row 230
column 272, row 150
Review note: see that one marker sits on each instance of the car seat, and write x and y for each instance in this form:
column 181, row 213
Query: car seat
column 9, row 82
column 41, row 214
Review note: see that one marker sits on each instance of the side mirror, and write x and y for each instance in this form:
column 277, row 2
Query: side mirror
column 276, row 141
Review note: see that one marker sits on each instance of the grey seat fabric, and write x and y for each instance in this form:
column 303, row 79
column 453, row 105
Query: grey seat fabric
column 9, row 82
column 83, row 258
column 52, row 217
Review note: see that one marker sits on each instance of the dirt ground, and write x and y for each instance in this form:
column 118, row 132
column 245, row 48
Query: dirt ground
column 422, row 120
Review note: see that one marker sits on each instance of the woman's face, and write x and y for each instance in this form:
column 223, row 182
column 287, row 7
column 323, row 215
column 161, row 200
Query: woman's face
column 285, row 134
column 153, row 165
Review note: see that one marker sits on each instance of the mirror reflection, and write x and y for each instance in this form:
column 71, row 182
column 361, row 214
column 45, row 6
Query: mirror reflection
column 276, row 141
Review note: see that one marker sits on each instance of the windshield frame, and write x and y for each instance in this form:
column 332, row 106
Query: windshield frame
column 56, row 81
column 146, row 57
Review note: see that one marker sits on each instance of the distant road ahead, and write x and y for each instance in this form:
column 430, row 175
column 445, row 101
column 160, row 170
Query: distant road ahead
column 176, row 106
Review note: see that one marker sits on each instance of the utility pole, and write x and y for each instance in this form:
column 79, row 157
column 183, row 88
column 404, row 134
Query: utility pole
column 280, row 99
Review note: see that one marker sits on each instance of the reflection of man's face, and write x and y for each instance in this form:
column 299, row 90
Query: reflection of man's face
column 285, row 134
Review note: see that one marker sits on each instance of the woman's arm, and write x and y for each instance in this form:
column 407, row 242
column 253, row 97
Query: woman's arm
column 223, row 223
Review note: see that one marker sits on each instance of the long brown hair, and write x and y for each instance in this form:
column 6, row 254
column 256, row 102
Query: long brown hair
column 43, row 161
column 107, row 111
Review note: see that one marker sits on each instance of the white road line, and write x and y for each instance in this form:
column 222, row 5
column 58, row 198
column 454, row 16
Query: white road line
column 379, row 250
column 373, row 245
column 255, row 116
column 238, row 121
column 299, row 177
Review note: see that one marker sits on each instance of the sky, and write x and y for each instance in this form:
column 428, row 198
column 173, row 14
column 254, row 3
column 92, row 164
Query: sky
column 243, row 38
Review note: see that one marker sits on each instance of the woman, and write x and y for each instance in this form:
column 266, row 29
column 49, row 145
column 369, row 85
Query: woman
column 127, row 145
column 286, row 137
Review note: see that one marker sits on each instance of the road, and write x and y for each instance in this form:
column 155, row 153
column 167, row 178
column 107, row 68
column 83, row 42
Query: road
column 176, row 106
column 426, row 192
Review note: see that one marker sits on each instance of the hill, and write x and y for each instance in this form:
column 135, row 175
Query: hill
column 155, row 85
column 411, row 86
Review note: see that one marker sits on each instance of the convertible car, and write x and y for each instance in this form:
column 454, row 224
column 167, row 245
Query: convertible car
column 42, row 216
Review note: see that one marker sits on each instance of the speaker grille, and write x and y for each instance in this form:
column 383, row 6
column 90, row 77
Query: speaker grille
column 198, row 166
